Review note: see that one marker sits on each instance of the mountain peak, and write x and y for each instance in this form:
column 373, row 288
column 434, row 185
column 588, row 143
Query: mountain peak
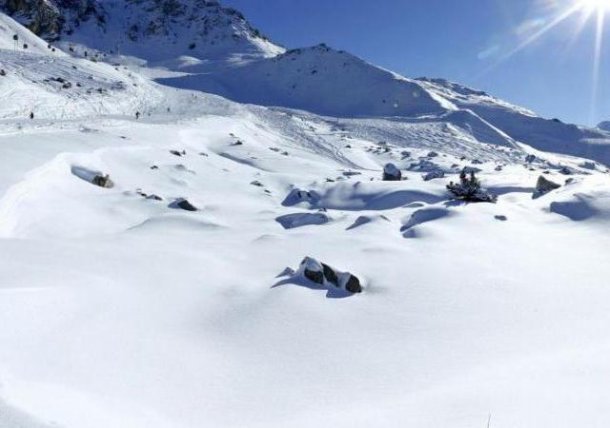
column 153, row 30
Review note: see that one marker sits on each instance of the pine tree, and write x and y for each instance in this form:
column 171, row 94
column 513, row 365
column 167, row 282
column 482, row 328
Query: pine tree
column 469, row 189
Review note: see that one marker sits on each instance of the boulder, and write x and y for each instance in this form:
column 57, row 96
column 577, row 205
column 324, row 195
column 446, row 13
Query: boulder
column 183, row 204
column 391, row 173
column 292, row 221
column 323, row 274
column 298, row 196
column 432, row 175
column 544, row 186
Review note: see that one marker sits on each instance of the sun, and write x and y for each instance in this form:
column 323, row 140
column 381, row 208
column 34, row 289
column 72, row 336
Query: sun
column 600, row 6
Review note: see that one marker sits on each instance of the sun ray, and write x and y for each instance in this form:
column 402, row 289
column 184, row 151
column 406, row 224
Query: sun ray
column 597, row 57
column 561, row 17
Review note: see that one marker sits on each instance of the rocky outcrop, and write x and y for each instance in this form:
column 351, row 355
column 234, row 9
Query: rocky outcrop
column 50, row 19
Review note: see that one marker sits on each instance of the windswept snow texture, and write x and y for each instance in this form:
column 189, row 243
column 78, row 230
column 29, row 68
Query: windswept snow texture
column 121, row 307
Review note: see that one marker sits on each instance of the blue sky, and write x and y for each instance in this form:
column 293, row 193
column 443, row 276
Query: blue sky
column 466, row 41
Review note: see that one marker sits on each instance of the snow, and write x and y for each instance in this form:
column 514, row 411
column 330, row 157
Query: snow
column 117, row 310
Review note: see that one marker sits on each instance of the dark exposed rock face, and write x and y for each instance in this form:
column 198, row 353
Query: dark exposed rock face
column 353, row 285
column 330, row 275
column 103, row 181
column 544, row 186
column 391, row 173
column 50, row 18
column 183, row 204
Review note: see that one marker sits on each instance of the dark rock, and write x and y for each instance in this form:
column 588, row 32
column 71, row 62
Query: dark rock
column 178, row 153
column 330, row 275
column 391, row 173
column 353, row 284
column 544, row 186
column 103, row 181
column 432, row 175
column 183, row 204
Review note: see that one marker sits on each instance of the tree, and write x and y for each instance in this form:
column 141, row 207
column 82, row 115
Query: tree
column 469, row 189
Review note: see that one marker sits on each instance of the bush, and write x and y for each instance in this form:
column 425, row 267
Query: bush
column 469, row 189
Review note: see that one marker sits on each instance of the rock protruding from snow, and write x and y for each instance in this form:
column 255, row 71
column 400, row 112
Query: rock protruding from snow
column 298, row 196
column 544, row 186
column 103, row 181
column 433, row 175
column 292, row 221
column 183, row 204
column 323, row 274
column 391, row 173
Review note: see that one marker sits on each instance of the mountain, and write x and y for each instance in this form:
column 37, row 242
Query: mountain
column 604, row 126
column 154, row 30
column 201, row 45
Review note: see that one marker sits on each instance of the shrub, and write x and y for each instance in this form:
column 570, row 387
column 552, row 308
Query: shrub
column 469, row 189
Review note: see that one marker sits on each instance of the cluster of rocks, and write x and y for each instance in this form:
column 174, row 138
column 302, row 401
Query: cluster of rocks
column 322, row 274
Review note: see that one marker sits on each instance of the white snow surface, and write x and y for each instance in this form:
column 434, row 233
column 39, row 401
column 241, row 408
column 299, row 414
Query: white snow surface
column 119, row 310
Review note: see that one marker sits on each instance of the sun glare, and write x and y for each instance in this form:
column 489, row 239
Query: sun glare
column 600, row 6
column 589, row 11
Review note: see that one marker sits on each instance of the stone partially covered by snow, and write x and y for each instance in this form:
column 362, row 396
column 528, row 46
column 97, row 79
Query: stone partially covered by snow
column 544, row 186
column 391, row 173
column 325, row 275
column 433, row 175
column 291, row 221
column 298, row 196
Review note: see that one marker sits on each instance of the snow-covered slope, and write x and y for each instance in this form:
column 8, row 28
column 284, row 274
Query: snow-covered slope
column 320, row 80
column 148, row 266
column 152, row 30
column 549, row 135
column 26, row 42
column 119, row 310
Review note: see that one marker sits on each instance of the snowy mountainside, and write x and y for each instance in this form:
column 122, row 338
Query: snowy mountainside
column 604, row 126
column 9, row 28
column 320, row 80
column 153, row 30
column 550, row 135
